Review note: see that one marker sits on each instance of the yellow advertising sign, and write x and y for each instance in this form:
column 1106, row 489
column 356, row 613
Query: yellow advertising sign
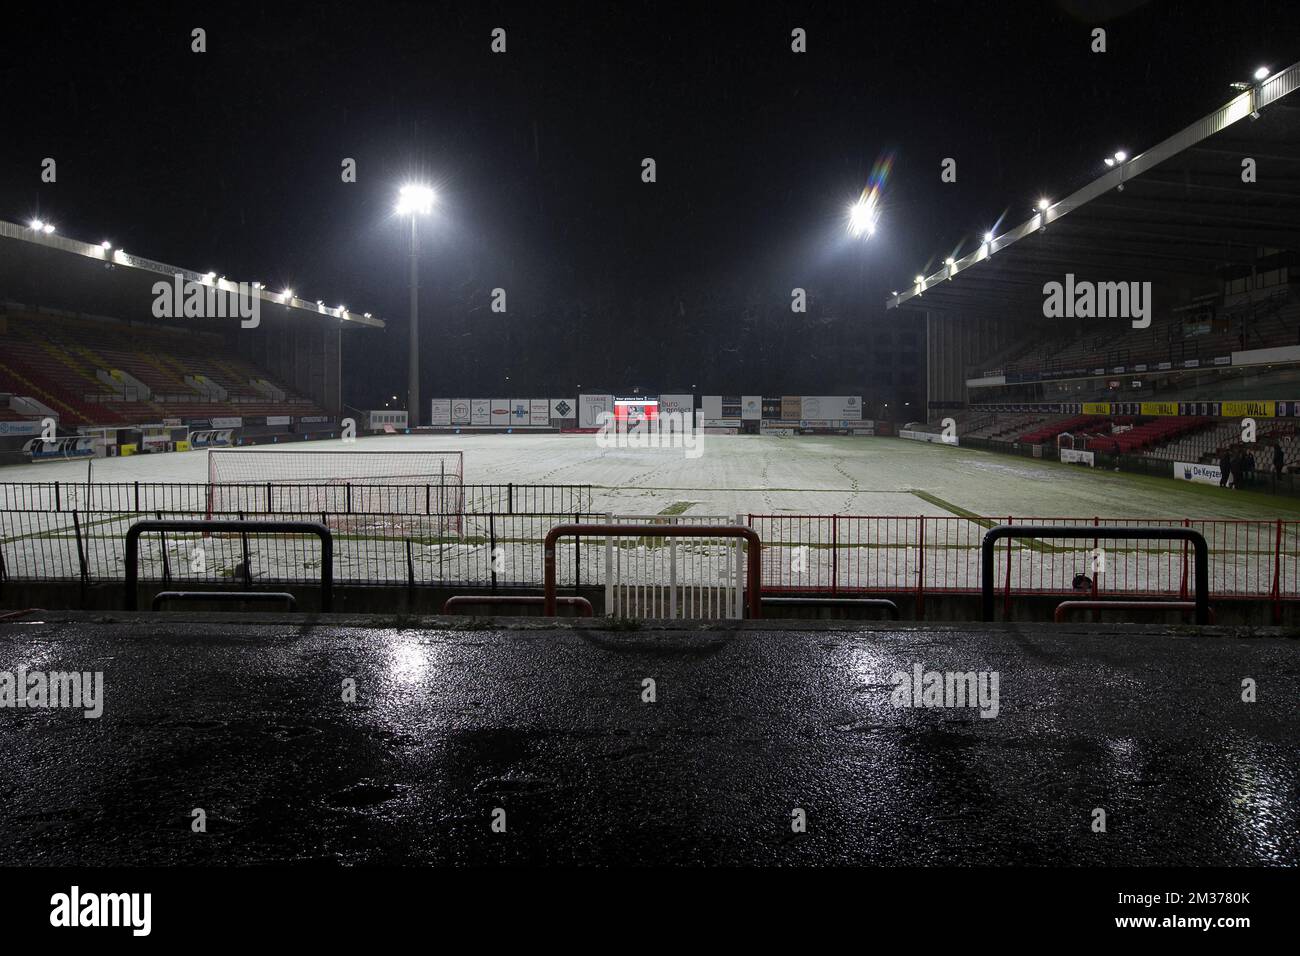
column 182, row 446
column 1159, row 408
column 1096, row 408
column 1247, row 409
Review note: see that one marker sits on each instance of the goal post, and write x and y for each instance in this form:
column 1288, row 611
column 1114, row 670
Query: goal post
column 291, row 481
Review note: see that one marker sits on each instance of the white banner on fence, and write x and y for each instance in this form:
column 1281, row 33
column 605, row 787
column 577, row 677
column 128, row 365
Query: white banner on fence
column 1194, row 471
column 564, row 408
column 683, row 405
column 751, row 408
column 520, row 411
column 539, row 412
column 440, row 411
column 480, row 411
column 500, row 412
column 832, row 407
column 460, row 411
column 1076, row 456
column 937, row 438
column 590, row 408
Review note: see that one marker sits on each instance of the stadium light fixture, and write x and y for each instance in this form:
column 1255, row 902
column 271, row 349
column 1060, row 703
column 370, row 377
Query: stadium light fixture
column 37, row 225
column 287, row 294
column 414, row 200
column 862, row 217
column 209, row 276
column 106, row 245
column 48, row 228
column 1262, row 73
column 988, row 238
column 1043, row 204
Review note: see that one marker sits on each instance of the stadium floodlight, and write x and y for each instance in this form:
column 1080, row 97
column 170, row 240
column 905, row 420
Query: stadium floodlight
column 862, row 217
column 1262, row 73
column 37, row 225
column 106, row 245
column 1120, row 156
column 414, row 200
column 1043, row 204
column 49, row 228
column 920, row 279
column 209, row 276
column 1109, row 161
column 988, row 238
column 287, row 294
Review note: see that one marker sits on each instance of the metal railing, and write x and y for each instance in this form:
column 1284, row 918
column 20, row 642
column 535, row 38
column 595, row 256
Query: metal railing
column 243, row 529
column 833, row 555
column 1200, row 556
column 290, row 498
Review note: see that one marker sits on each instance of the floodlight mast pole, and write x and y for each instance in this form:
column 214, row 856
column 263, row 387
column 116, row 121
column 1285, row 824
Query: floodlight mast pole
column 413, row 369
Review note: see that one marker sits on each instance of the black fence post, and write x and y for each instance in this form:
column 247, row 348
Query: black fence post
column 81, row 548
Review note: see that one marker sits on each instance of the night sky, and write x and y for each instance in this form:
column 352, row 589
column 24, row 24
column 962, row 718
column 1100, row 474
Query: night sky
column 230, row 160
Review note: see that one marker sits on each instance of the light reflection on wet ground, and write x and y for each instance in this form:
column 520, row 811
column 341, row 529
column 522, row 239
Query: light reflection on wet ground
column 253, row 723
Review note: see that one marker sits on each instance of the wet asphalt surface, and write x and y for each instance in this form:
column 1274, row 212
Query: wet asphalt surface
column 248, row 722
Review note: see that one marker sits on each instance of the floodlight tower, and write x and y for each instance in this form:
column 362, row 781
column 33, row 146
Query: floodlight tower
column 415, row 201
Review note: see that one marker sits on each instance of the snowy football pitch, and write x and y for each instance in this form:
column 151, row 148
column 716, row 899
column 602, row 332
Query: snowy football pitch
column 765, row 476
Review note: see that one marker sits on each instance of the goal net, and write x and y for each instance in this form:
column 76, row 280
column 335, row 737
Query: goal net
column 356, row 490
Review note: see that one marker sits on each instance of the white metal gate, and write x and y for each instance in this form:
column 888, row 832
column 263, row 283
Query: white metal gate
column 675, row 578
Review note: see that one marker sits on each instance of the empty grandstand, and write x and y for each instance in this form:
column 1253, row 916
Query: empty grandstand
column 140, row 383
column 1218, row 250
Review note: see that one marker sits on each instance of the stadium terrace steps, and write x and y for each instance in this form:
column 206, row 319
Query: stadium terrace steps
column 1256, row 325
column 56, row 360
column 72, row 411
